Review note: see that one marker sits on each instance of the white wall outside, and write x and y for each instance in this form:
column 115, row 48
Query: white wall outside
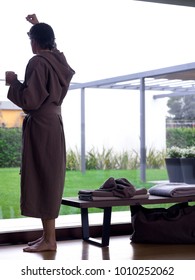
column 113, row 120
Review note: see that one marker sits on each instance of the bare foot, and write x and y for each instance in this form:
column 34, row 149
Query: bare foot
column 41, row 246
column 35, row 241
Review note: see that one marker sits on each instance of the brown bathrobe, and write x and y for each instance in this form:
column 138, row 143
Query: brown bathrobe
column 43, row 165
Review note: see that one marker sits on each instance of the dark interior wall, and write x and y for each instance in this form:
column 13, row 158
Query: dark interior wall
column 190, row 3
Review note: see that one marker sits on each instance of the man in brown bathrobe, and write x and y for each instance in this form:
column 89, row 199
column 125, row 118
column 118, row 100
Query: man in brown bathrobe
column 47, row 79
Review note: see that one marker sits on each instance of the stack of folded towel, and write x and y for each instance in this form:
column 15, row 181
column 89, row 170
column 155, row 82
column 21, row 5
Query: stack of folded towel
column 173, row 189
column 114, row 189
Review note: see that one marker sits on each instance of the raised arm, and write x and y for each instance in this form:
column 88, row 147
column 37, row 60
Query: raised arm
column 32, row 19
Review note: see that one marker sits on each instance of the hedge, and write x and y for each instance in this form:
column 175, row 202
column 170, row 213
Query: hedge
column 181, row 137
column 10, row 147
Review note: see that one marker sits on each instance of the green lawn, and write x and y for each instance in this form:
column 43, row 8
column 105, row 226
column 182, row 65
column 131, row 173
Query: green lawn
column 75, row 180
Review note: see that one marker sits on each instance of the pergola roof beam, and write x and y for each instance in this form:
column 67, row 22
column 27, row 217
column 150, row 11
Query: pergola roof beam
column 171, row 79
column 186, row 71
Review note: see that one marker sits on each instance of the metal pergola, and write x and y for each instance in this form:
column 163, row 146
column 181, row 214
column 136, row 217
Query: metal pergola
column 165, row 82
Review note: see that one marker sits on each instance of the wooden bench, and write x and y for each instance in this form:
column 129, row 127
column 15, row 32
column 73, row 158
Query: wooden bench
column 107, row 205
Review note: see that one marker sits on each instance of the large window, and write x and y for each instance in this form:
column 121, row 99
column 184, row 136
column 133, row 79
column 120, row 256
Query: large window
column 113, row 47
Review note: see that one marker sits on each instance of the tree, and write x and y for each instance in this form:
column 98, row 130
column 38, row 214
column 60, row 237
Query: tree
column 182, row 108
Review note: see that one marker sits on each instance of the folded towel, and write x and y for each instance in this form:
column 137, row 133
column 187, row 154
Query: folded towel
column 98, row 198
column 140, row 196
column 98, row 193
column 108, row 198
column 120, row 188
column 173, row 190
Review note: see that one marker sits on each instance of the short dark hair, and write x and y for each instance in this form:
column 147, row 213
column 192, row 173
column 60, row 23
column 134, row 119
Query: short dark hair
column 43, row 34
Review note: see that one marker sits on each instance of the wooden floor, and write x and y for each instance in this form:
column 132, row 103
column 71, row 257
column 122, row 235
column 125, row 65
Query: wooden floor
column 120, row 248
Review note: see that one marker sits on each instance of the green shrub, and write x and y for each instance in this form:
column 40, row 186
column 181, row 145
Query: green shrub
column 155, row 159
column 10, row 147
column 104, row 160
column 91, row 160
column 73, row 160
column 126, row 160
column 180, row 137
column 108, row 159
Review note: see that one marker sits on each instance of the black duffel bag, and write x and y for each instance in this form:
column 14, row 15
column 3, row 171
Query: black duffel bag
column 174, row 225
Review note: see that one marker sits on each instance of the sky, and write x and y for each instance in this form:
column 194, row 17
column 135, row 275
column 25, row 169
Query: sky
column 100, row 39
